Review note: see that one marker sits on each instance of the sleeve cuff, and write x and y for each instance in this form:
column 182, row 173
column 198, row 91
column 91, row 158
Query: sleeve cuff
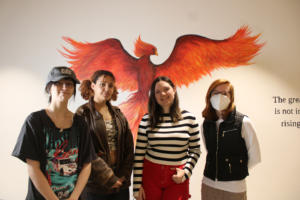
column 112, row 181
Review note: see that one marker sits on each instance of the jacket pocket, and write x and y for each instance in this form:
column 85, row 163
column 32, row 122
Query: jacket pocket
column 229, row 132
column 235, row 167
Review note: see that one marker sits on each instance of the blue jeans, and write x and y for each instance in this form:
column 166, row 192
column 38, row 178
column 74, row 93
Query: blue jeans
column 121, row 195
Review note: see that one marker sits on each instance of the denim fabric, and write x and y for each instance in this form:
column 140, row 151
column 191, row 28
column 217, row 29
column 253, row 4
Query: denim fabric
column 159, row 185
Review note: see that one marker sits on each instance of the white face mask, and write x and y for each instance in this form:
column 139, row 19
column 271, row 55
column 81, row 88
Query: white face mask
column 219, row 102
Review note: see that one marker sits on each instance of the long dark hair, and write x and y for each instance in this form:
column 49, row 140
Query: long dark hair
column 155, row 110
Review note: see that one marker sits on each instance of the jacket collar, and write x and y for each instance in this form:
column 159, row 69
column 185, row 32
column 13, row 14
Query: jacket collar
column 231, row 116
column 96, row 114
column 229, row 119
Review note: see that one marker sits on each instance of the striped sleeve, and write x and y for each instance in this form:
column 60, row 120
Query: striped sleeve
column 140, row 151
column 194, row 148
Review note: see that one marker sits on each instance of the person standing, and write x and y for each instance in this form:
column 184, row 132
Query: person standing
column 167, row 147
column 231, row 144
column 55, row 144
column 112, row 139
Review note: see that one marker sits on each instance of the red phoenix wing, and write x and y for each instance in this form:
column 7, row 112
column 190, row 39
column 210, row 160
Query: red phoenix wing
column 108, row 54
column 194, row 56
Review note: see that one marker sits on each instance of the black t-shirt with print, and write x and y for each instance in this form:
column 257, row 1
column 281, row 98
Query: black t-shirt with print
column 61, row 153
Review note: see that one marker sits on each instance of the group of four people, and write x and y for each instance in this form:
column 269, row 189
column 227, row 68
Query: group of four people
column 90, row 155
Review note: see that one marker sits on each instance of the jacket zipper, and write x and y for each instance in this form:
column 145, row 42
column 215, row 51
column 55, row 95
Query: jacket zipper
column 217, row 154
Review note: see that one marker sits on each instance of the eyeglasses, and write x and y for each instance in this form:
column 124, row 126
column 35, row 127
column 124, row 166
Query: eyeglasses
column 215, row 92
column 66, row 84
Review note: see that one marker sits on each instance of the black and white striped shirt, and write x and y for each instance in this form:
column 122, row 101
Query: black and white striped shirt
column 169, row 143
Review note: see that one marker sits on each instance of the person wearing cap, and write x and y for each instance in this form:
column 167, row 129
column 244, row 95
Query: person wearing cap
column 55, row 144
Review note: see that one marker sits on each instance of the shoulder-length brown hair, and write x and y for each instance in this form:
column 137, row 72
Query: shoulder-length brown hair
column 155, row 110
column 209, row 112
column 86, row 89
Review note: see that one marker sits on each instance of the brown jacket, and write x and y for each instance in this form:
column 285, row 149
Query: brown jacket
column 102, row 182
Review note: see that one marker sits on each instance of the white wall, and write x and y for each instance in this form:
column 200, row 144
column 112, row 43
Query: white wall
column 31, row 34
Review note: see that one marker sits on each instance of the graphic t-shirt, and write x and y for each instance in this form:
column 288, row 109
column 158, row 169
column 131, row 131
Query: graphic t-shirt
column 62, row 157
column 61, row 153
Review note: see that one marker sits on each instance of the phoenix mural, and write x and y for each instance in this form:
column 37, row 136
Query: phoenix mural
column 193, row 57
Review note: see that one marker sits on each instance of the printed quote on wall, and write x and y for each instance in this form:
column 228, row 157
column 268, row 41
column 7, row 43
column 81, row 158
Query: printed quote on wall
column 291, row 110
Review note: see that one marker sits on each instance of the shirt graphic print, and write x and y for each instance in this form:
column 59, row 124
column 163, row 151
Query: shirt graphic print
column 62, row 158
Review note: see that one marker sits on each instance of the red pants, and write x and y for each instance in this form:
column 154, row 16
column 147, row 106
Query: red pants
column 158, row 183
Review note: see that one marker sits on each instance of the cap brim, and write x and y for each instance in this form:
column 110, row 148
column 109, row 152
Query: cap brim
column 62, row 77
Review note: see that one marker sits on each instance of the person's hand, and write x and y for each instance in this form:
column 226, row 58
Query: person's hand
column 142, row 195
column 178, row 177
column 119, row 182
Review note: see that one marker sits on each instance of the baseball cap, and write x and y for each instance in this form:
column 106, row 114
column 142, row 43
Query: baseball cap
column 60, row 72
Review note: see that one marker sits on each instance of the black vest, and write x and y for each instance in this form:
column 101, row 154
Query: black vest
column 227, row 157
